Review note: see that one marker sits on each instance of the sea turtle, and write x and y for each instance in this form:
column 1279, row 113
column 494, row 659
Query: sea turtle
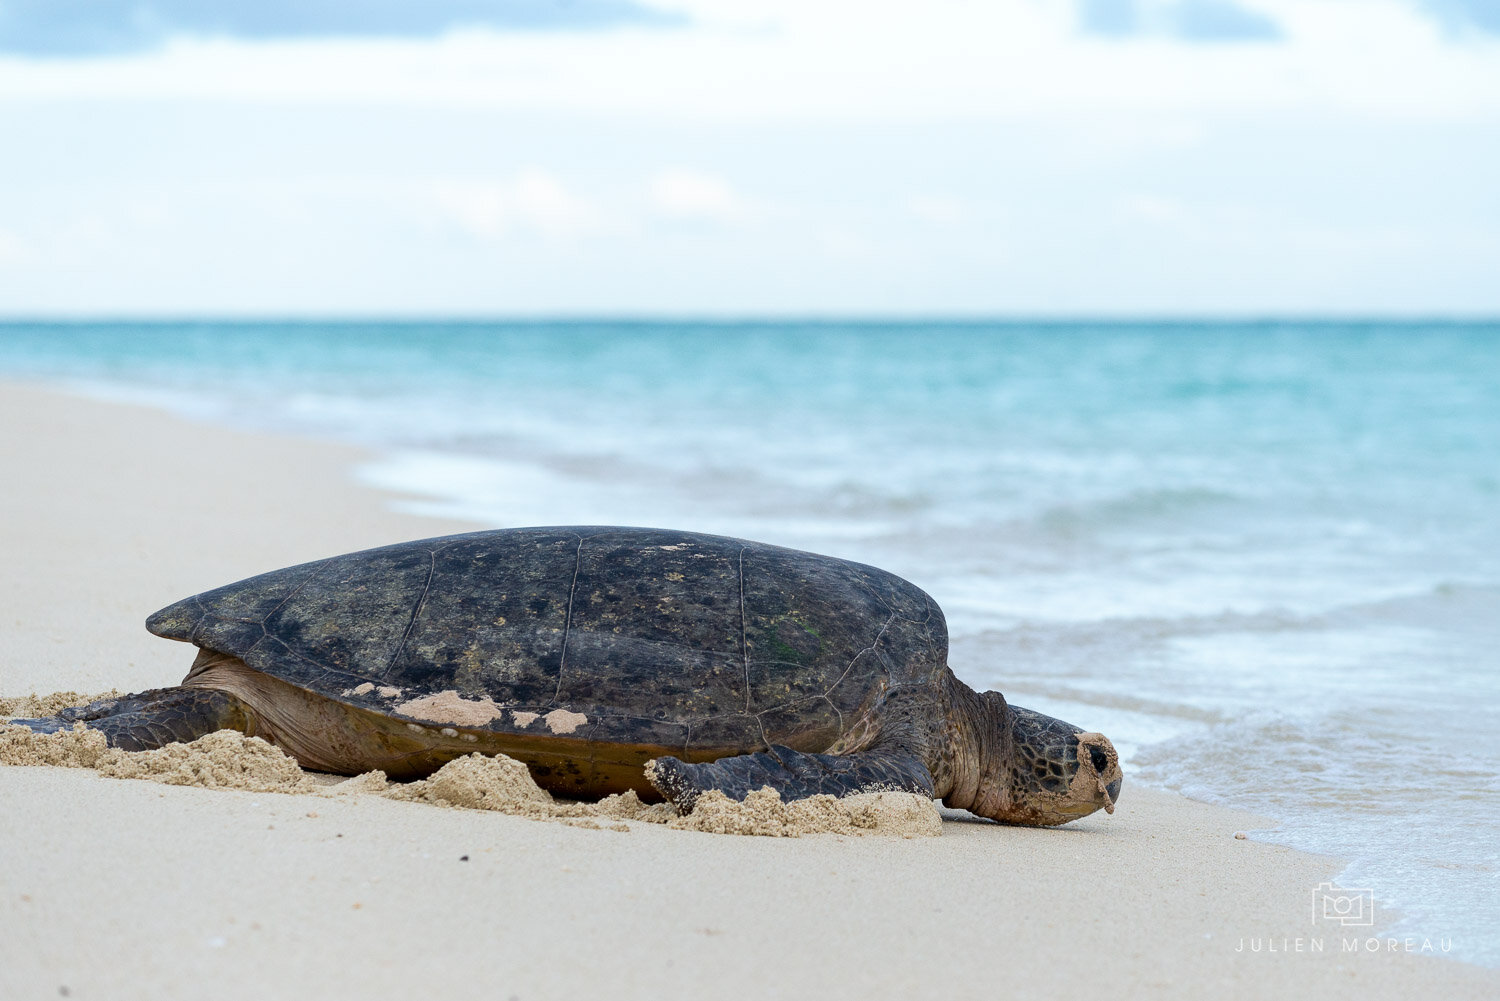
column 609, row 659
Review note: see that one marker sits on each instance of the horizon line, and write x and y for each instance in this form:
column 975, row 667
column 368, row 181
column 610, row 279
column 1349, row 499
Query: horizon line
column 747, row 318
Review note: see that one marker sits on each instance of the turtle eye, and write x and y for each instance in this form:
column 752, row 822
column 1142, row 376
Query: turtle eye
column 1099, row 758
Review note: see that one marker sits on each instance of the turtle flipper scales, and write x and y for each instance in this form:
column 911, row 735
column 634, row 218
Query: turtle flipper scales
column 153, row 718
column 793, row 774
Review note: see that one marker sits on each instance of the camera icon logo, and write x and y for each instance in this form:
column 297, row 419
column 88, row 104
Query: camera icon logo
column 1340, row 905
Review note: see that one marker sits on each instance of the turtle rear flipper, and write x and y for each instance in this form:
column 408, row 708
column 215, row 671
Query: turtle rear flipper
column 793, row 774
column 153, row 718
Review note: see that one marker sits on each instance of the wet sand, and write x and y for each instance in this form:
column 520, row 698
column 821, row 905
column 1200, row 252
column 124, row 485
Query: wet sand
column 112, row 888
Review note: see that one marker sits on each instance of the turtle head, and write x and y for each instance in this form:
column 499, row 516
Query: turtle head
column 1055, row 771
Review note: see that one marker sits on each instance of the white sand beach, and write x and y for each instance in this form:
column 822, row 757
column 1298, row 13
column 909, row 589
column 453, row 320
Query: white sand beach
column 119, row 889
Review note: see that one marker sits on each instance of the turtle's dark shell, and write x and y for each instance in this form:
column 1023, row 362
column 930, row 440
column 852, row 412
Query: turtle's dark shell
column 666, row 642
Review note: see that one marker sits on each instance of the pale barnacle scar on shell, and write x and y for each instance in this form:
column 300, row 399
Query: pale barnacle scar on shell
column 452, row 708
column 563, row 721
column 384, row 691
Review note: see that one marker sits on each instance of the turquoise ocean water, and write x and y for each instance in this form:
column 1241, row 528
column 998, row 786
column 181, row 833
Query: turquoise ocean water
column 1264, row 558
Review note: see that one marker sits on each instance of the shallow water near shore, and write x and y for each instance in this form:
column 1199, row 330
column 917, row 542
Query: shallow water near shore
column 1264, row 558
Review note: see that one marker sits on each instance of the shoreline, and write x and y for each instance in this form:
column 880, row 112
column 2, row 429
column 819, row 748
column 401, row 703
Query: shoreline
column 116, row 509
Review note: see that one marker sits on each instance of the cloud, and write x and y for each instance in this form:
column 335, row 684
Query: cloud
column 1152, row 210
column 692, row 195
column 12, row 250
column 534, row 201
column 1005, row 59
column 1217, row 21
column 1188, row 20
column 53, row 28
column 941, row 210
column 1112, row 18
column 1481, row 14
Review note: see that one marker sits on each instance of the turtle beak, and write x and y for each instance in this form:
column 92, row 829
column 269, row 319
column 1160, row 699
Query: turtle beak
column 1100, row 755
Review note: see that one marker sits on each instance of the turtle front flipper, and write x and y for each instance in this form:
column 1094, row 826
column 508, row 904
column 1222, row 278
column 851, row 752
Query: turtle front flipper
column 153, row 718
column 793, row 774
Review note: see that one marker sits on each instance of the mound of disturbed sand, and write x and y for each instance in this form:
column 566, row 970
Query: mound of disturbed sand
column 230, row 760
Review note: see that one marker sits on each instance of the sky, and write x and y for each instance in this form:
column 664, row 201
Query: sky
column 786, row 157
